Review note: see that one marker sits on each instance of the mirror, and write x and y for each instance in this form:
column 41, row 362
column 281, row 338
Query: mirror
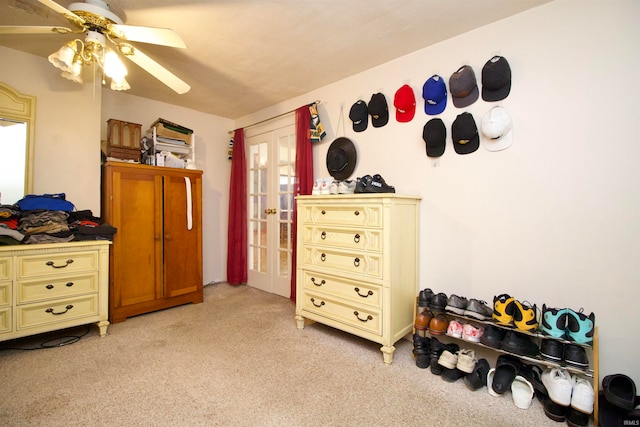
column 17, row 123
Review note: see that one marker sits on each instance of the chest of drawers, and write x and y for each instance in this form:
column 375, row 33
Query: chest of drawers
column 357, row 264
column 45, row 287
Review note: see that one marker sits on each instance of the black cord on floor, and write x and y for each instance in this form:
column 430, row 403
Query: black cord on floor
column 58, row 341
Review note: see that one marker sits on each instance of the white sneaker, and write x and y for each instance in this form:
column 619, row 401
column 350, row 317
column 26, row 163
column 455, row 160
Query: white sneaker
column 558, row 383
column 454, row 329
column 347, row 187
column 324, row 185
column 333, row 187
column 466, row 360
column 521, row 392
column 582, row 396
column 316, row 186
column 471, row 333
column 448, row 359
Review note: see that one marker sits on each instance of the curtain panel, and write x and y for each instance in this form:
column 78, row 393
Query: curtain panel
column 237, row 268
column 303, row 184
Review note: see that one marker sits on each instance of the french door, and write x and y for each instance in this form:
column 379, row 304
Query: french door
column 271, row 169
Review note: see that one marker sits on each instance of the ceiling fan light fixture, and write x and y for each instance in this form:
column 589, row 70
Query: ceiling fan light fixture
column 120, row 84
column 64, row 57
column 113, row 66
column 75, row 72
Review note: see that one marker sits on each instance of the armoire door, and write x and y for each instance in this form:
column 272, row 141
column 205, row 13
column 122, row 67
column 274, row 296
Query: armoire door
column 182, row 234
column 137, row 250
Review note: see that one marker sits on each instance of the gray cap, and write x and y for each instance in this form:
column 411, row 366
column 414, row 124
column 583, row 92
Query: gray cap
column 463, row 87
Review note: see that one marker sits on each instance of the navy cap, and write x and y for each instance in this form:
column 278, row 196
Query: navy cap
column 434, row 93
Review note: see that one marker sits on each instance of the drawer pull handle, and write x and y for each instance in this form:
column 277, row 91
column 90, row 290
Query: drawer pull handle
column 313, row 301
column 323, row 212
column 52, row 264
column 323, row 257
column 356, row 238
column 50, row 310
column 356, row 262
column 313, row 280
column 50, row 285
column 369, row 317
column 356, row 213
column 368, row 294
column 323, row 235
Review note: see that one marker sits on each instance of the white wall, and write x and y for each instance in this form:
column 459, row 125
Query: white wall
column 67, row 131
column 211, row 156
column 555, row 218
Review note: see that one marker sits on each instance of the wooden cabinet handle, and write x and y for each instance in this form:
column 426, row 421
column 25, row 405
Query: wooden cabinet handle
column 52, row 264
column 313, row 301
column 313, row 280
column 367, row 295
column 369, row 317
column 50, row 310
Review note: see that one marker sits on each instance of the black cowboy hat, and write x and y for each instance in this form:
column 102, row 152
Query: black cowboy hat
column 341, row 158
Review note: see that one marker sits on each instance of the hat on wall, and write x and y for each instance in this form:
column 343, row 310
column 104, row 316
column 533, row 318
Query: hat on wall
column 434, row 135
column 378, row 110
column 497, row 129
column 463, row 87
column 434, row 92
column 341, row 158
column 464, row 133
column 496, row 79
column 359, row 115
column 405, row 103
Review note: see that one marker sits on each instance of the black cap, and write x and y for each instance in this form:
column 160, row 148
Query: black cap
column 359, row 115
column 378, row 110
column 496, row 79
column 464, row 133
column 434, row 135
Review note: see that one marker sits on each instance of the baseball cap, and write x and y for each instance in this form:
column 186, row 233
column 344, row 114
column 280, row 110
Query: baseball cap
column 405, row 103
column 497, row 129
column 378, row 110
column 434, row 135
column 434, row 92
column 464, row 133
column 496, row 79
column 463, row 87
column 359, row 115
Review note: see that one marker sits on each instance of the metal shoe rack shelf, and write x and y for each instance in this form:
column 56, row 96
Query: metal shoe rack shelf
column 592, row 351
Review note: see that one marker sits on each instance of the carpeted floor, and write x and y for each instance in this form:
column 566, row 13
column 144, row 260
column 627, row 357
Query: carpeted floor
column 236, row 359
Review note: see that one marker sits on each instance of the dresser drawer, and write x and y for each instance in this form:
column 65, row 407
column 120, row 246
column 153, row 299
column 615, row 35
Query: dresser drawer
column 5, row 320
column 60, row 263
column 362, row 215
column 50, row 312
column 355, row 315
column 358, row 239
column 367, row 264
column 364, row 293
column 5, row 269
column 5, row 293
column 57, row 287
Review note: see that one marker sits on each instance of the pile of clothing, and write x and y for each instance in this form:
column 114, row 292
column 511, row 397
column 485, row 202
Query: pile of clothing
column 49, row 218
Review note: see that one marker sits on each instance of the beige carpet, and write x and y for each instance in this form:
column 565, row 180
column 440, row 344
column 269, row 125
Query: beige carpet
column 235, row 360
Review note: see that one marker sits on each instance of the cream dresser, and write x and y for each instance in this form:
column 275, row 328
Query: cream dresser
column 357, row 264
column 45, row 287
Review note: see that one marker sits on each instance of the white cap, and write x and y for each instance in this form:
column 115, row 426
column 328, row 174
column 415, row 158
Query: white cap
column 497, row 130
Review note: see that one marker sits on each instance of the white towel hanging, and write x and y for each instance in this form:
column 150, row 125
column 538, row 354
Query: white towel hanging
column 187, row 182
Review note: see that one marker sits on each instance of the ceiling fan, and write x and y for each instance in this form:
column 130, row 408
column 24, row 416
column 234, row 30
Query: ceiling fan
column 104, row 35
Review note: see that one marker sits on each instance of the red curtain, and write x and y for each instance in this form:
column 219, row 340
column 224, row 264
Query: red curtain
column 304, row 179
column 237, row 233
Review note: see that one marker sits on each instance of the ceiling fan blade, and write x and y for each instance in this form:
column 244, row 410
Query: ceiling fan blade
column 152, row 67
column 153, row 35
column 64, row 11
column 7, row 29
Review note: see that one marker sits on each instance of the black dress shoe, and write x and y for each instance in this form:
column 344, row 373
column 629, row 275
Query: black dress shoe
column 438, row 302
column 575, row 356
column 519, row 344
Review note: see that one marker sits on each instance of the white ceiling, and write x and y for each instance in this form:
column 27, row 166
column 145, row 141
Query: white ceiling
column 246, row 55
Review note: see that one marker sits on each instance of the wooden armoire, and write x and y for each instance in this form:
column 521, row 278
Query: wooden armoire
column 156, row 258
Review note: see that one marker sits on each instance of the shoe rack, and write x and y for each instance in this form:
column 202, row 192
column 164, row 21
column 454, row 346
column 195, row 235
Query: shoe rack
column 592, row 350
